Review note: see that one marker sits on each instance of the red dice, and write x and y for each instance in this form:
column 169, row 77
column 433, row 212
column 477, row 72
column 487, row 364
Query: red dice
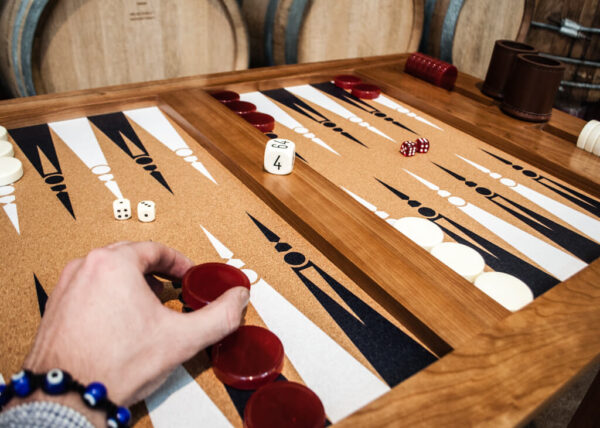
column 422, row 145
column 408, row 148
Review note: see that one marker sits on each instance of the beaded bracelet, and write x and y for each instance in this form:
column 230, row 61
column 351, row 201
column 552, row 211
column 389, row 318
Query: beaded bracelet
column 58, row 382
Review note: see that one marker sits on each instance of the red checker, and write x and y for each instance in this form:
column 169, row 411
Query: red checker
column 204, row 283
column 261, row 121
column 284, row 404
column 366, row 91
column 448, row 78
column 346, row 81
column 241, row 107
column 226, row 96
column 248, row 358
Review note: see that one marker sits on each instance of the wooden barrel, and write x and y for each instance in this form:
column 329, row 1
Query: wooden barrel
column 463, row 32
column 296, row 31
column 60, row 45
column 580, row 87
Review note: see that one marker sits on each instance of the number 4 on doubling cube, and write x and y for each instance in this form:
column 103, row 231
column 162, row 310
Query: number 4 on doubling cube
column 279, row 156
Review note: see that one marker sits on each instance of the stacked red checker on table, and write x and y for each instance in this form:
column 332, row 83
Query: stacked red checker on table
column 432, row 70
column 251, row 357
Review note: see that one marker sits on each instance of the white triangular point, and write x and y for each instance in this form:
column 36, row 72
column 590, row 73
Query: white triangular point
column 8, row 199
column 558, row 263
column 342, row 383
column 156, row 124
column 222, row 250
column 387, row 102
column 78, row 135
column 360, row 200
column 11, row 212
column 313, row 95
column 181, row 402
column 578, row 220
column 265, row 105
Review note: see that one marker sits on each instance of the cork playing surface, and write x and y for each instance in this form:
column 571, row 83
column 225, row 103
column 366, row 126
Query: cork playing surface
column 522, row 220
column 337, row 340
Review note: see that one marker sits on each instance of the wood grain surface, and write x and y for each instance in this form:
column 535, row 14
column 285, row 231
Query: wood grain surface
column 497, row 369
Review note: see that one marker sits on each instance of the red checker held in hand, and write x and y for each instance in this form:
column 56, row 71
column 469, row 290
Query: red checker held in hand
column 408, row 148
column 422, row 145
column 204, row 283
column 284, row 404
column 248, row 358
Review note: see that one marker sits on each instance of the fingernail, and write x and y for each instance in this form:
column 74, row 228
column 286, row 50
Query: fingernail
column 245, row 296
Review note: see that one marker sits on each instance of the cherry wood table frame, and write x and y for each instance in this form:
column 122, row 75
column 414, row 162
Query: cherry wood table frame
column 496, row 368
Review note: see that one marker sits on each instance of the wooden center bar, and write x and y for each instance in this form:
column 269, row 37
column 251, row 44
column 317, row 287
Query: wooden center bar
column 496, row 368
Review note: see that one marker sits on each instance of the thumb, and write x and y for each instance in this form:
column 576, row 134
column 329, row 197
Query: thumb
column 208, row 325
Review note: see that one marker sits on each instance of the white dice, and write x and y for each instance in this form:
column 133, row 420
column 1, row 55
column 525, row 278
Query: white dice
column 122, row 209
column 279, row 156
column 146, row 211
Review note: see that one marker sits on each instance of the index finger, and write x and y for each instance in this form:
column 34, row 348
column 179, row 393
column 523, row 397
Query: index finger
column 153, row 257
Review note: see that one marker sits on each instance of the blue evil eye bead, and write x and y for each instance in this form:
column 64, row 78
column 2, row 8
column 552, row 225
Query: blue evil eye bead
column 6, row 394
column 21, row 384
column 94, row 393
column 121, row 418
column 56, row 382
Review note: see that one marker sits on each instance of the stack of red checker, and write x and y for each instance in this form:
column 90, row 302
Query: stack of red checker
column 252, row 357
column 432, row 70
column 261, row 121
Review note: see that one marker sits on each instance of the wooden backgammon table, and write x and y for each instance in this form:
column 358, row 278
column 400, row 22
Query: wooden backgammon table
column 382, row 331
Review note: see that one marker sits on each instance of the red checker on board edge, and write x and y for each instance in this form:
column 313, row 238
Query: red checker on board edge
column 284, row 404
column 261, row 121
column 408, row 148
column 241, row 107
column 204, row 283
column 346, row 81
column 248, row 358
column 422, row 145
column 226, row 96
column 366, row 91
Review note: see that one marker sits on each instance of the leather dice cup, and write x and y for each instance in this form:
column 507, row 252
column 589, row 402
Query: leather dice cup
column 530, row 90
column 501, row 65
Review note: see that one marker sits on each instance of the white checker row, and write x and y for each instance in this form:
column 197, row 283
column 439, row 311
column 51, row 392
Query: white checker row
column 146, row 211
column 122, row 209
column 589, row 137
column 508, row 290
column 424, row 233
column 462, row 259
column 6, row 149
column 11, row 170
column 280, row 155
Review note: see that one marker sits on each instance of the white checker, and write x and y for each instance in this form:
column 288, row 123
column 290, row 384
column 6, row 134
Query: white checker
column 508, row 290
column 3, row 134
column 464, row 260
column 146, row 211
column 11, row 170
column 6, row 149
column 592, row 140
column 424, row 233
column 585, row 132
column 122, row 209
column 280, row 155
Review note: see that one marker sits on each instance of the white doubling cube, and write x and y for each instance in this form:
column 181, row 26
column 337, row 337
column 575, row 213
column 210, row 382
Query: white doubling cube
column 279, row 156
column 146, row 211
column 122, row 209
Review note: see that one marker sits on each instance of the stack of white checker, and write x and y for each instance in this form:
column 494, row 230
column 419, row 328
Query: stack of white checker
column 508, row 290
column 589, row 138
column 11, row 168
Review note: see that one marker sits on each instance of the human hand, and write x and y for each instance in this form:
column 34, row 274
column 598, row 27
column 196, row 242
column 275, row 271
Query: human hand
column 103, row 321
